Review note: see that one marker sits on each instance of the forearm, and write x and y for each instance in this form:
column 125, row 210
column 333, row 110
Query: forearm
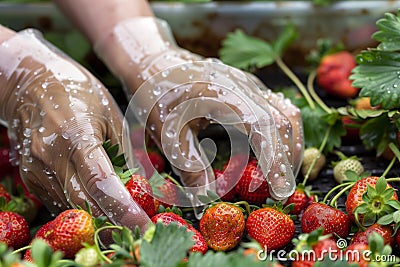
column 96, row 18
column 5, row 33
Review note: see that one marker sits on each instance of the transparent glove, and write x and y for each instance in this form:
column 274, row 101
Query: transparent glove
column 176, row 94
column 58, row 116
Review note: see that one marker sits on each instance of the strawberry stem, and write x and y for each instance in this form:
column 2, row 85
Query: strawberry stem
column 357, row 221
column 314, row 95
column 394, row 179
column 16, row 251
column 97, row 240
column 295, row 80
column 245, row 204
column 389, row 167
column 334, row 189
column 341, row 155
column 173, row 180
column 335, row 198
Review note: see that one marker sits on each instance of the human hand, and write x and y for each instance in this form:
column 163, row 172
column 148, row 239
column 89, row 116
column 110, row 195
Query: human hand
column 58, row 116
column 176, row 94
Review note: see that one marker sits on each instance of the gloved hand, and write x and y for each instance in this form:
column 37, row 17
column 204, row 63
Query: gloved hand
column 175, row 94
column 58, row 116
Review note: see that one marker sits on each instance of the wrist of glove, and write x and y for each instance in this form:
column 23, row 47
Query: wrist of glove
column 140, row 47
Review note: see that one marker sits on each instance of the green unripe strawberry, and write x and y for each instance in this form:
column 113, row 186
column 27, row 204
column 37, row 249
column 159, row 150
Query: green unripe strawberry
column 310, row 155
column 347, row 164
column 87, row 257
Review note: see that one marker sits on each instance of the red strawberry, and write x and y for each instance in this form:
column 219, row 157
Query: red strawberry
column 222, row 184
column 69, row 231
column 229, row 175
column 253, row 175
column 365, row 253
column 352, row 128
column 397, row 238
column 384, row 230
column 157, row 160
column 140, row 190
column 5, row 164
column 378, row 204
column 41, row 233
column 270, row 227
column 18, row 182
column 169, row 217
column 14, row 229
column 4, row 140
column 222, row 226
column 316, row 247
column 4, row 193
column 150, row 160
column 300, row 199
column 333, row 74
column 356, row 254
column 332, row 220
column 170, row 194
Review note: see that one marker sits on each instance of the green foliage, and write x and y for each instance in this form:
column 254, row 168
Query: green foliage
column 247, row 52
column 168, row 246
column 315, row 123
column 377, row 73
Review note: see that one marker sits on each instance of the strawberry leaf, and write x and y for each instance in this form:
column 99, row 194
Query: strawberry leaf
column 156, row 181
column 377, row 75
column 221, row 259
column 377, row 133
column 43, row 255
column 312, row 130
column 377, row 70
column 245, row 52
column 168, row 247
column 285, row 39
column 389, row 34
column 209, row 259
column 395, row 150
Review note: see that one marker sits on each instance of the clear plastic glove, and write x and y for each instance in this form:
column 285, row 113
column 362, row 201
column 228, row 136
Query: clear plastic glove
column 175, row 94
column 58, row 116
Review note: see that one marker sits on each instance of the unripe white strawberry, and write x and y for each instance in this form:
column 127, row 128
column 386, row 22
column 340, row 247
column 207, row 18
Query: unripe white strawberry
column 348, row 164
column 87, row 257
column 309, row 155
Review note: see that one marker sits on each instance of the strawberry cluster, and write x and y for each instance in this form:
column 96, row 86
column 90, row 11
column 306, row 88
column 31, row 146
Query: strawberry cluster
column 236, row 221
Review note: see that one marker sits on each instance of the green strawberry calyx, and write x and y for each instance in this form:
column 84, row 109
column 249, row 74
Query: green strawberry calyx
column 377, row 202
